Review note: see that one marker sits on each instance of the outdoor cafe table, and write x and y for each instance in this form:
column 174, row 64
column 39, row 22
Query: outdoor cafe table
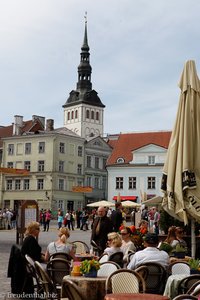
column 171, row 287
column 136, row 296
column 92, row 288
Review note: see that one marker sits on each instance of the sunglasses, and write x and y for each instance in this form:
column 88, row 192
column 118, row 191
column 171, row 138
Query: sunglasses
column 109, row 240
column 37, row 228
column 123, row 233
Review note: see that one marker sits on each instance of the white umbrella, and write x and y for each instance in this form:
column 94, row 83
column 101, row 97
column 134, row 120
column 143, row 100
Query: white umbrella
column 181, row 176
column 130, row 204
column 101, row 203
column 157, row 200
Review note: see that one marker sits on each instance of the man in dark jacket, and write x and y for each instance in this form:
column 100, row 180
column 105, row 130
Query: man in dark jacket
column 101, row 227
column 116, row 216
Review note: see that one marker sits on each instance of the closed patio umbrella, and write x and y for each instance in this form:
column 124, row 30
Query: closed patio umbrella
column 181, row 172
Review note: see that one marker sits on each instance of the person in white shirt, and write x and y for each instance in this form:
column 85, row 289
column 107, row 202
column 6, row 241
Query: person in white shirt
column 127, row 244
column 150, row 254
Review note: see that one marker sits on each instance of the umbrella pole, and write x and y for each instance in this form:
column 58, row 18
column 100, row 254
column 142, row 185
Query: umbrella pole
column 193, row 239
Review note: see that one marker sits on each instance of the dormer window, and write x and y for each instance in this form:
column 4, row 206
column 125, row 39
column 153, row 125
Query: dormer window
column 151, row 160
column 120, row 160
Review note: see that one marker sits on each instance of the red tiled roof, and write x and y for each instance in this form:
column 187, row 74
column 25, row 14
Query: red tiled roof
column 128, row 142
column 7, row 131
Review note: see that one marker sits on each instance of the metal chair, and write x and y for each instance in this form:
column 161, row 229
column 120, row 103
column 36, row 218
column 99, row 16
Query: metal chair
column 125, row 281
column 179, row 267
column 80, row 247
column 156, row 279
column 57, row 268
column 49, row 290
column 143, row 271
column 71, row 291
column 107, row 268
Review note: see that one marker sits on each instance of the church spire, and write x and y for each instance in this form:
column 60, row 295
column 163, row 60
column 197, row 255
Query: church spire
column 84, row 68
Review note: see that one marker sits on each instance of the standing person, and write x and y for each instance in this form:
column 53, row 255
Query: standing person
column 116, row 216
column 68, row 218
column 47, row 220
column 60, row 218
column 78, row 218
column 101, row 227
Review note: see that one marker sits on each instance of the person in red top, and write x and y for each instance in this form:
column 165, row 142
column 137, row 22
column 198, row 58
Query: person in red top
column 47, row 218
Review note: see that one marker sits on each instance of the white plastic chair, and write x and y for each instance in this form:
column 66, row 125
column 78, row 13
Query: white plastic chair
column 180, row 268
column 103, row 258
column 107, row 268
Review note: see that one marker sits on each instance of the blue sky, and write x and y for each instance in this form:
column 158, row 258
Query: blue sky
column 137, row 53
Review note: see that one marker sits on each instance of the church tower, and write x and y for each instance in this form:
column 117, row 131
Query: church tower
column 83, row 110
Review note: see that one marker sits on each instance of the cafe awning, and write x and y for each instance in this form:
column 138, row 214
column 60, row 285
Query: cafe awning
column 124, row 198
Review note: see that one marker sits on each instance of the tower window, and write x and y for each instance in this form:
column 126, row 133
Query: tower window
column 68, row 115
column 97, row 116
column 72, row 114
column 87, row 114
column 76, row 114
column 92, row 115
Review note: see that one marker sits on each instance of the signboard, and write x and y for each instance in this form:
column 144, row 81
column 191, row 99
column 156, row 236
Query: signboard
column 82, row 189
column 14, row 171
column 30, row 214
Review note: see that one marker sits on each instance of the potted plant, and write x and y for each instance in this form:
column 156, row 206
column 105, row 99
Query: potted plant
column 194, row 266
column 179, row 251
column 166, row 247
column 89, row 268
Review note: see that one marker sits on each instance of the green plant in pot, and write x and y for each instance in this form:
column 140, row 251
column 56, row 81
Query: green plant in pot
column 166, row 247
column 89, row 268
column 179, row 251
column 194, row 266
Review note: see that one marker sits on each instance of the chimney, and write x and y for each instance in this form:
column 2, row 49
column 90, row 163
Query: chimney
column 17, row 125
column 49, row 125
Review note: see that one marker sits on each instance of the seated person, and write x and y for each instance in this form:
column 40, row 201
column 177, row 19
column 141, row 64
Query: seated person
column 60, row 245
column 114, row 243
column 150, row 254
column 127, row 244
column 30, row 244
column 179, row 236
column 171, row 237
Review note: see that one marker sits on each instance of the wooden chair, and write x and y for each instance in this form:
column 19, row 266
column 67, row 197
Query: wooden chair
column 194, row 289
column 63, row 255
column 107, row 268
column 125, row 281
column 49, row 290
column 179, row 267
column 185, row 297
column 57, row 268
column 71, row 291
column 143, row 271
column 103, row 258
column 156, row 279
column 118, row 258
column 186, row 283
column 31, row 270
column 80, row 247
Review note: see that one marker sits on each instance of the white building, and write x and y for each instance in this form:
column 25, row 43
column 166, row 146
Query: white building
column 135, row 165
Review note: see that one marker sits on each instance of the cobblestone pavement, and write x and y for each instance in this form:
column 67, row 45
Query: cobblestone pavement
column 8, row 238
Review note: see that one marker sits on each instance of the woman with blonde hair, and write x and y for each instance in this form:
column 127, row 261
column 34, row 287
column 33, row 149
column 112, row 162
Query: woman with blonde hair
column 114, row 243
column 30, row 244
column 61, row 245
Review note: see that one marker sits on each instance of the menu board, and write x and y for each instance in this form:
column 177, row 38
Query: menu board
column 30, row 214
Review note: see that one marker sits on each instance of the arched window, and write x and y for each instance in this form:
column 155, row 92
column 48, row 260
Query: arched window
column 68, row 115
column 87, row 114
column 72, row 114
column 92, row 115
column 76, row 114
column 97, row 116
